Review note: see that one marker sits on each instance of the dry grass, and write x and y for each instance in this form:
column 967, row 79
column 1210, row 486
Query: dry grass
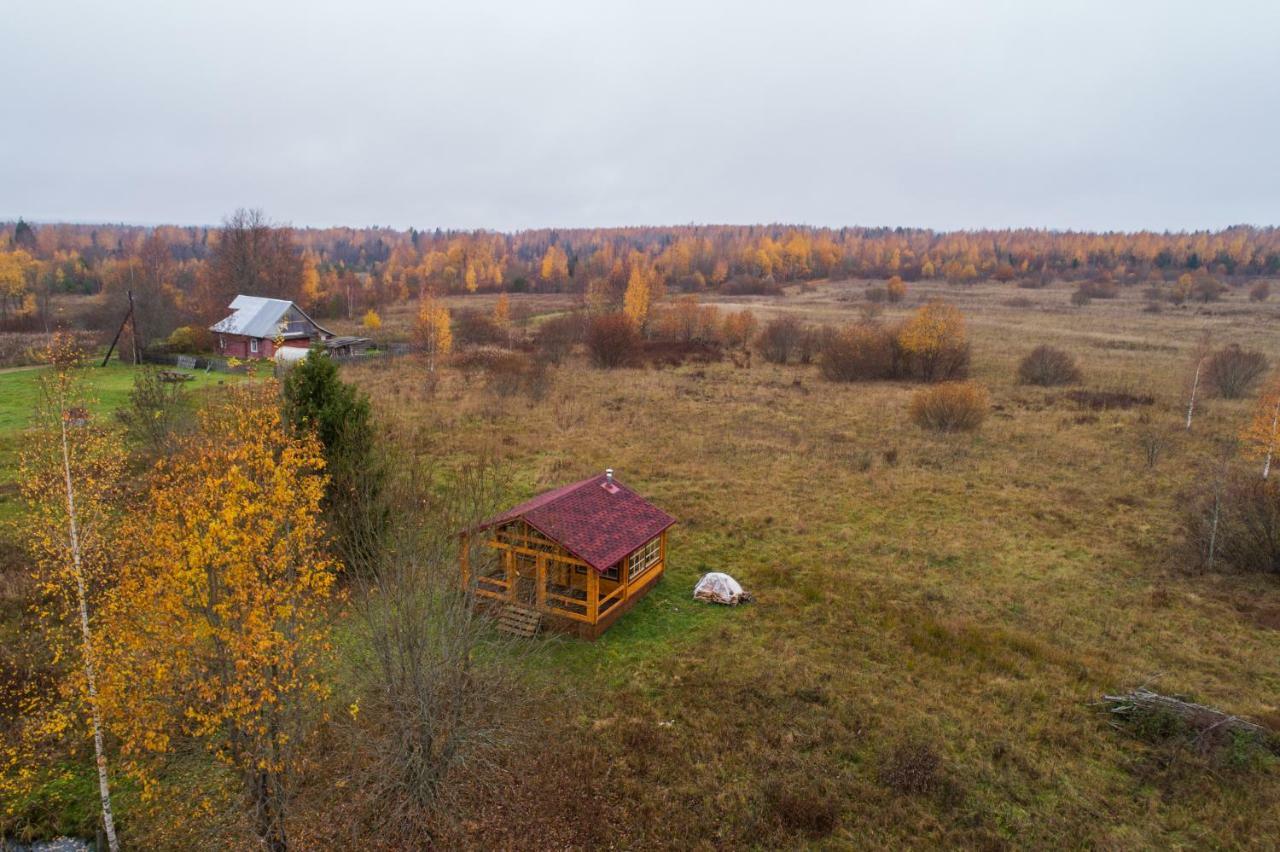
column 973, row 592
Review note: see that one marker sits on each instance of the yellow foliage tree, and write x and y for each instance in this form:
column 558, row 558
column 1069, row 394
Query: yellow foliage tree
column 371, row 321
column 1261, row 434
column 502, row 310
column 432, row 331
column 219, row 616
column 69, row 472
column 15, row 284
column 555, row 265
column 934, row 341
column 637, row 300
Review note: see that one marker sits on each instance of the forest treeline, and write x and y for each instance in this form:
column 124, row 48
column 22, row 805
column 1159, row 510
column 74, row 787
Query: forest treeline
column 190, row 273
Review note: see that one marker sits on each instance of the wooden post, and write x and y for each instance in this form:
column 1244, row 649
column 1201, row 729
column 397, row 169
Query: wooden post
column 509, row 567
column 593, row 593
column 662, row 554
column 119, row 331
column 464, row 561
column 541, row 573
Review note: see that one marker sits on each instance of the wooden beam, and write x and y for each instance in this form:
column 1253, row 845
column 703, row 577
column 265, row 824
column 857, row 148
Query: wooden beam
column 593, row 594
column 541, row 574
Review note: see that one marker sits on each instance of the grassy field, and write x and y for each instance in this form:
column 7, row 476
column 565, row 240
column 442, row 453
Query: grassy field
column 967, row 597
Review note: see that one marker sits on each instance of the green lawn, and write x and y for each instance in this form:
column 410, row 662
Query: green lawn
column 108, row 389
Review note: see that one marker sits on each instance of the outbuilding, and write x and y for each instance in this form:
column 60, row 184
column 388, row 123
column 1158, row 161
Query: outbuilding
column 576, row 557
column 258, row 325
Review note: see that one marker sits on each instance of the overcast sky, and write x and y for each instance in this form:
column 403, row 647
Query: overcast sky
column 944, row 114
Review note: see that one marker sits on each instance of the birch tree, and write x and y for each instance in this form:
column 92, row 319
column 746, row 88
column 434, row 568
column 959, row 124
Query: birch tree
column 69, row 472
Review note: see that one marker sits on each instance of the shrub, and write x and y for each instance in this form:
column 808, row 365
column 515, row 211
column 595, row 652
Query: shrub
column 895, row 290
column 1260, row 292
column 1080, row 298
column 1098, row 289
column 857, row 353
column 189, row 339
column 739, row 327
column 876, row 295
column 612, row 341
column 476, row 328
column 1236, row 523
column 1046, row 366
column 557, row 336
column 780, row 339
column 934, row 344
column 1233, row 371
column 950, row 407
column 371, row 322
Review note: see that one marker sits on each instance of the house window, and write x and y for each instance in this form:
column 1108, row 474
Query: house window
column 611, row 573
column 644, row 559
column 253, row 344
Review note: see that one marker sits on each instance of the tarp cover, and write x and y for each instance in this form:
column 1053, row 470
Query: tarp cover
column 719, row 588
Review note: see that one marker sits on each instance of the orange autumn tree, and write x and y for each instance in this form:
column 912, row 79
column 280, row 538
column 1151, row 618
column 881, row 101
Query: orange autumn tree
column 221, row 606
column 1261, row 434
column 934, row 342
column 69, row 471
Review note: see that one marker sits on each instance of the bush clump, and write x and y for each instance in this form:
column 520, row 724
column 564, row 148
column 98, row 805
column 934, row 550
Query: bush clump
column 1260, row 292
column 858, row 353
column 612, row 341
column 950, row 407
column 1236, row 523
column 781, row 338
column 1233, row 371
column 1046, row 366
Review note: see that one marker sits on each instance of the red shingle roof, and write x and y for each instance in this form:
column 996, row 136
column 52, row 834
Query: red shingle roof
column 598, row 525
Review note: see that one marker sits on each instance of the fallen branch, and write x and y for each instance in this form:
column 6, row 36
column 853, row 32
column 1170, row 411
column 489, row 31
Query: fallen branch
column 1200, row 719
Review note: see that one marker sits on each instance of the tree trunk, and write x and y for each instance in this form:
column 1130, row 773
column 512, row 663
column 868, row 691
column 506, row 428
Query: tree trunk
column 90, row 669
column 1195, row 383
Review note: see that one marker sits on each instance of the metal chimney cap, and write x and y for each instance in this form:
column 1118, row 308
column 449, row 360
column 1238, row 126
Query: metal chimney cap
column 608, row 474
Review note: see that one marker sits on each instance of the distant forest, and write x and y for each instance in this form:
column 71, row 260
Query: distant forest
column 189, row 274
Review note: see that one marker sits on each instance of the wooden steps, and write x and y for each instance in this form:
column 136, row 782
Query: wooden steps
column 519, row 621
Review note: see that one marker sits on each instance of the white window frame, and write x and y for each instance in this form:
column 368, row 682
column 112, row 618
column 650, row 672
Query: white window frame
column 253, row 345
column 644, row 558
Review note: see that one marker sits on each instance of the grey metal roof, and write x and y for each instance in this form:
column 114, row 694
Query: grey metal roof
column 255, row 316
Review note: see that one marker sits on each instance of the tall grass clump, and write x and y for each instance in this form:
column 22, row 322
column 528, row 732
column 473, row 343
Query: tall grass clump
column 950, row 407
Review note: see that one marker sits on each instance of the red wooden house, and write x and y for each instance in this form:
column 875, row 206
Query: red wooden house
column 257, row 325
column 577, row 557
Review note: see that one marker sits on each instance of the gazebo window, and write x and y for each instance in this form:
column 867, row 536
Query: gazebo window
column 643, row 559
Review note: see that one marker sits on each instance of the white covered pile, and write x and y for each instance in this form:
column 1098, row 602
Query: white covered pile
column 720, row 588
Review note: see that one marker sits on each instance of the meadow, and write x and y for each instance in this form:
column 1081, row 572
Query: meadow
column 936, row 616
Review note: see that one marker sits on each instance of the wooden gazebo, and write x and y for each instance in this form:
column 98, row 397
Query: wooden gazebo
column 576, row 557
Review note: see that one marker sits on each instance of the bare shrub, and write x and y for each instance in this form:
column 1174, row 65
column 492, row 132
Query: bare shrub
column 1233, row 371
column 1081, row 298
column 477, row 328
column 877, row 294
column 437, row 692
column 1260, row 292
column 857, row 353
column 612, row 341
column 780, row 339
column 1234, row 522
column 155, row 411
column 512, row 373
column 1046, row 366
column 950, row 406
column 557, row 336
